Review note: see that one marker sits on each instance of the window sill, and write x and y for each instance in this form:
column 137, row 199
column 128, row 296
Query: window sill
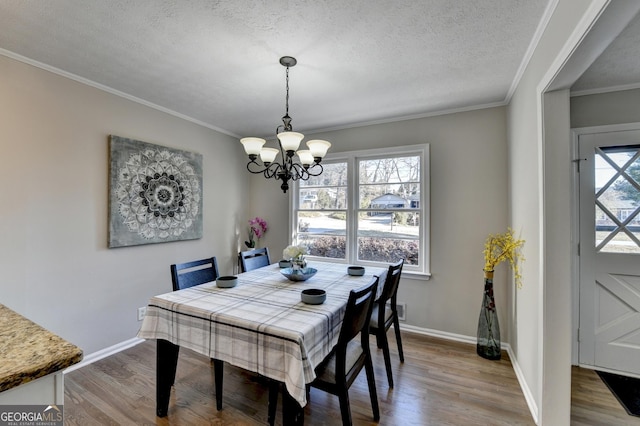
column 418, row 276
column 411, row 275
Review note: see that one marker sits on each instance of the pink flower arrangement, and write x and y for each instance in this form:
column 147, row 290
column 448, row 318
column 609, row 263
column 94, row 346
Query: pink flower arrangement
column 257, row 228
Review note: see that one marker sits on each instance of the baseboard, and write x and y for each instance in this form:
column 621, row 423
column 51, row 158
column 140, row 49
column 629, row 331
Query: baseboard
column 526, row 391
column 438, row 333
column 103, row 353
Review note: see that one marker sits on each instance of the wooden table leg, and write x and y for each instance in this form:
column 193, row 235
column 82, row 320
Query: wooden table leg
column 292, row 412
column 218, row 368
column 274, row 390
column 166, row 362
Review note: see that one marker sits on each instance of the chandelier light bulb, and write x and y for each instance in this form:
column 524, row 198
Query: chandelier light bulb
column 318, row 147
column 306, row 158
column 252, row 146
column 268, row 155
column 290, row 140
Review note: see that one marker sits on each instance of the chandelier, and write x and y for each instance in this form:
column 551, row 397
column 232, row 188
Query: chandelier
column 289, row 167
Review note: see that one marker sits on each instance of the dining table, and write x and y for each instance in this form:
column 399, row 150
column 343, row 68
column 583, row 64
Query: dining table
column 260, row 325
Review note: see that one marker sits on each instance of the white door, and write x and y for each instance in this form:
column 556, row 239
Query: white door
column 609, row 178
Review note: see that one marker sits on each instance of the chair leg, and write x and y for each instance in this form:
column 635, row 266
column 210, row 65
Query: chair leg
column 274, row 389
column 218, row 367
column 371, row 381
column 378, row 341
column 396, row 327
column 387, row 356
column 345, row 409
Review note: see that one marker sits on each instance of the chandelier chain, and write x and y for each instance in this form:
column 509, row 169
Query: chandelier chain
column 287, row 96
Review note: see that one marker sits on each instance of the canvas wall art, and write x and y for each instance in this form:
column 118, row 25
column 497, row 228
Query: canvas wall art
column 155, row 193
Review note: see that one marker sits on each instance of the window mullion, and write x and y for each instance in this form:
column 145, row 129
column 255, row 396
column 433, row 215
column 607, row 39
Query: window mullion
column 352, row 207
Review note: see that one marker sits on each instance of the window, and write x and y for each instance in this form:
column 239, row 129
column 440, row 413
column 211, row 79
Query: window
column 617, row 206
column 367, row 207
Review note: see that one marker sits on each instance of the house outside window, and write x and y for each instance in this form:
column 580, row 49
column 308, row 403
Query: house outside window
column 367, row 207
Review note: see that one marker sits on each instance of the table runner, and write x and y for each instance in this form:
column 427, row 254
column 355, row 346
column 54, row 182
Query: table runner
column 260, row 325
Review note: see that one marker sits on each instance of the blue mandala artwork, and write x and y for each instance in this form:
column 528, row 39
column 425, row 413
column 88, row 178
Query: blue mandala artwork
column 155, row 193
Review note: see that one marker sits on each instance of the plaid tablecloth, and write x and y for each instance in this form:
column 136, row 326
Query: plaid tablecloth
column 260, row 325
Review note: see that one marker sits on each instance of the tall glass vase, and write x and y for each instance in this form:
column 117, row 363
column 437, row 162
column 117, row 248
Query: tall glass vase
column 298, row 263
column 488, row 328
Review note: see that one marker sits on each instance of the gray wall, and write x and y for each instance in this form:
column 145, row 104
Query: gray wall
column 606, row 108
column 56, row 267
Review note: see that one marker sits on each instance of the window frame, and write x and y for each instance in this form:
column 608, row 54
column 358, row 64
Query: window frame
column 352, row 158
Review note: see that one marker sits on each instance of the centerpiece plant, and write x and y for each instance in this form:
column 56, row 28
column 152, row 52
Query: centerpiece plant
column 498, row 248
column 295, row 253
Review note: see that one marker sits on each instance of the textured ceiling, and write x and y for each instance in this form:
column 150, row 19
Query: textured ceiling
column 216, row 62
column 618, row 67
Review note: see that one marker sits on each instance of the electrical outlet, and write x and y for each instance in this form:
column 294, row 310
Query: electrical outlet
column 141, row 313
column 402, row 309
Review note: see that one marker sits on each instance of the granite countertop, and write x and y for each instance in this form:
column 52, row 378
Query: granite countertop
column 28, row 351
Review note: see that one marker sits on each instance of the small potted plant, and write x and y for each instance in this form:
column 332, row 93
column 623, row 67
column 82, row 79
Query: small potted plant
column 257, row 228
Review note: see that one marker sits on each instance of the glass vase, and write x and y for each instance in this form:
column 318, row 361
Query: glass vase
column 488, row 327
column 298, row 263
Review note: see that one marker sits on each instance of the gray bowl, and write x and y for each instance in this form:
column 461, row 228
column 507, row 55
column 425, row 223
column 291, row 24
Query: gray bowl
column 285, row 264
column 356, row 271
column 313, row 296
column 227, row 281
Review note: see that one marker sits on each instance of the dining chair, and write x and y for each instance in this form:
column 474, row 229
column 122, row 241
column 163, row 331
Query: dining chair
column 341, row 367
column 189, row 274
column 254, row 259
column 383, row 316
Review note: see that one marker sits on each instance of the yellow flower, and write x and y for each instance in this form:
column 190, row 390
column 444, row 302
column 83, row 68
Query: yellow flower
column 501, row 247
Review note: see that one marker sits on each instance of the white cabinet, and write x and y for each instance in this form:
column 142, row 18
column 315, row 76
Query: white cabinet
column 45, row 390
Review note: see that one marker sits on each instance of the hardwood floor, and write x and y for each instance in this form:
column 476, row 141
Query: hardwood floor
column 440, row 383
column 593, row 404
